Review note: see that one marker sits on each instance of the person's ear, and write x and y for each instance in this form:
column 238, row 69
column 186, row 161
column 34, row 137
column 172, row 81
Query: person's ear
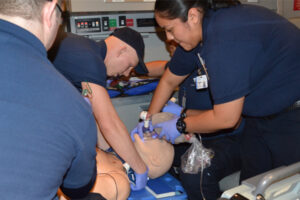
column 122, row 50
column 48, row 12
column 194, row 16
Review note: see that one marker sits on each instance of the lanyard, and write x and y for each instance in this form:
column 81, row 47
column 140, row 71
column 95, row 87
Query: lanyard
column 203, row 65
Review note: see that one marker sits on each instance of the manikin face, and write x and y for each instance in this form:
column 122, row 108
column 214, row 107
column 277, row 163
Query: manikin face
column 187, row 34
column 121, row 60
column 158, row 154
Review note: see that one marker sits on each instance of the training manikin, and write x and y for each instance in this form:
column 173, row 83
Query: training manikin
column 151, row 149
column 157, row 153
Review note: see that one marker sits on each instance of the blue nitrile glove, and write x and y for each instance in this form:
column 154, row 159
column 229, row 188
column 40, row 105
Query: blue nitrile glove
column 173, row 108
column 168, row 129
column 87, row 100
column 140, row 129
column 140, row 181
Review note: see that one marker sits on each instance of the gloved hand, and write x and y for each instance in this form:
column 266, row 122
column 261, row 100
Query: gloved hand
column 140, row 181
column 173, row 108
column 140, row 129
column 168, row 129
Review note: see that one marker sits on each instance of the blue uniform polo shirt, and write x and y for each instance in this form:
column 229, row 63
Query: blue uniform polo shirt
column 249, row 51
column 48, row 132
column 194, row 99
column 81, row 59
column 199, row 99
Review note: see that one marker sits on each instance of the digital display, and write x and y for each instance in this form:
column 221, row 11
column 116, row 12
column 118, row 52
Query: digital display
column 146, row 22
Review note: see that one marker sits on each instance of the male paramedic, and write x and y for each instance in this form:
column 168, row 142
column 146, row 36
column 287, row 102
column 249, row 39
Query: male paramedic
column 86, row 64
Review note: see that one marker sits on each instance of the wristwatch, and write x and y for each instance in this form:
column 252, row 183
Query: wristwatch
column 181, row 125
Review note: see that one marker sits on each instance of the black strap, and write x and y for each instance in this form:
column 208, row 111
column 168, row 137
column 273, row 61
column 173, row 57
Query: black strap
column 183, row 113
column 294, row 106
column 92, row 196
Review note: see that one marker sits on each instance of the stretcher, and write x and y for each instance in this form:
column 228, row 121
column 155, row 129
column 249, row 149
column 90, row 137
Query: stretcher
column 282, row 183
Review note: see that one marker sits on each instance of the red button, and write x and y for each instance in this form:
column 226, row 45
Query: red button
column 129, row 22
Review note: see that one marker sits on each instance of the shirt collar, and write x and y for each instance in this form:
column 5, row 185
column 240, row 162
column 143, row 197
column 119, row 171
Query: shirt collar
column 205, row 24
column 103, row 48
column 20, row 33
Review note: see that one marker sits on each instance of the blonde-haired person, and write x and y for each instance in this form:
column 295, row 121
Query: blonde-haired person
column 48, row 132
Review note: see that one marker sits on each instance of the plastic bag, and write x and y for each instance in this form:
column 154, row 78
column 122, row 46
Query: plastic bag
column 196, row 158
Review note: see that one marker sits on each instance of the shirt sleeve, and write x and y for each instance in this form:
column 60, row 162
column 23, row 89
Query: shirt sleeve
column 79, row 60
column 81, row 176
column 182, row 62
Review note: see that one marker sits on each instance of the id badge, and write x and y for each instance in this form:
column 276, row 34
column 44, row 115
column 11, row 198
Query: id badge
column 201, row 82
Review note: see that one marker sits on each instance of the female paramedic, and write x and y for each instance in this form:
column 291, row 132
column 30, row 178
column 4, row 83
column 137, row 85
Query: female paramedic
column 250, row 64
column 225, row 143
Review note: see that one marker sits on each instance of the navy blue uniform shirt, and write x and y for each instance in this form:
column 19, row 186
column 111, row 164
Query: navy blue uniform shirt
column 255, row 55
column 81, row 59
column 191, row 98
column 48, row 132
column 188, row 95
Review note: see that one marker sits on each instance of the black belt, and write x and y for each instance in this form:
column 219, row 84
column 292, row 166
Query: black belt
column 294, row 106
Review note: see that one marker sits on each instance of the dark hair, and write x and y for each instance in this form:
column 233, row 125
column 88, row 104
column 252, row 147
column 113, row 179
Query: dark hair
column 172, row 9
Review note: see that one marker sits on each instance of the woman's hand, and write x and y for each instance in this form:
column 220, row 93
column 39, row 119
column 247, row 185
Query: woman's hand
column 168, row 130
column 173, row 108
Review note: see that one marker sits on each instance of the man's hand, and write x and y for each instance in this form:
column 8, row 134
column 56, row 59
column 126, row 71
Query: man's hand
column 140, row 181
column 140, row 129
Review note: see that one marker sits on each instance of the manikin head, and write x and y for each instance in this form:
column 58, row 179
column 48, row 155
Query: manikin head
column 158, row 154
